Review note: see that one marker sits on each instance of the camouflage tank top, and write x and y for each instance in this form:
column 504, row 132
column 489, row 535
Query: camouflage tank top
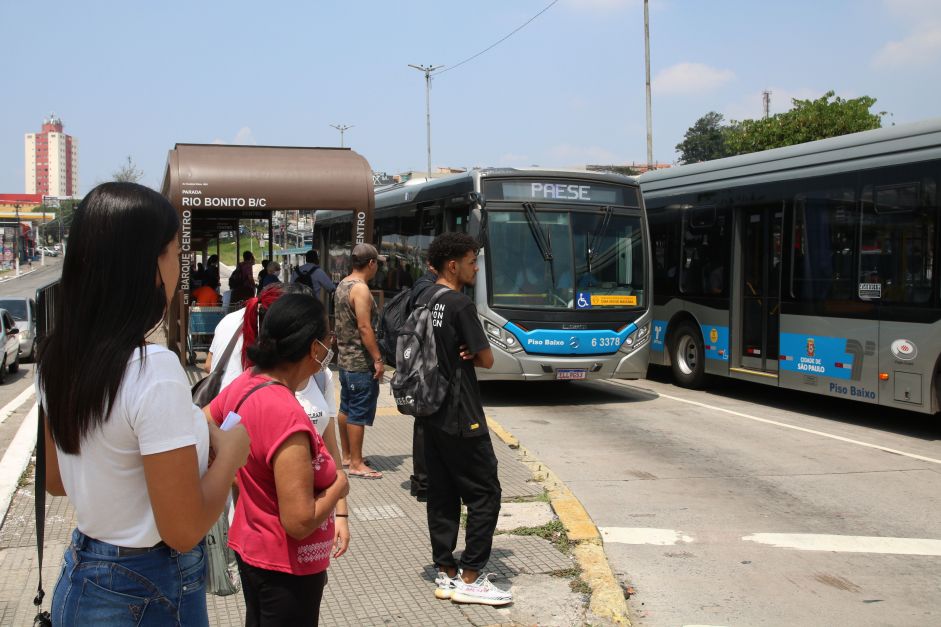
column 353, row 356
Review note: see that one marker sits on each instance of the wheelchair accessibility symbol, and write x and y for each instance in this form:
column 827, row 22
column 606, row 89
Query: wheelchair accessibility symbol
column 583, row 301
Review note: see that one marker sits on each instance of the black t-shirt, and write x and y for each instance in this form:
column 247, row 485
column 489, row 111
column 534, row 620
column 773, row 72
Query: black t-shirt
column 456, row 323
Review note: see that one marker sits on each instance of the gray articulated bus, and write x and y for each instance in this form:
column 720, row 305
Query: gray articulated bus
column 563, row 290
column 812, row 267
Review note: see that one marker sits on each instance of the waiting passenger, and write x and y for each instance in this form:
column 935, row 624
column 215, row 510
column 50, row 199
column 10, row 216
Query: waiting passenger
column 125, row 442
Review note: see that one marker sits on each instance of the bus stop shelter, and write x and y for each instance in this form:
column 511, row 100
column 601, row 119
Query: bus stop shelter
column 213, row 186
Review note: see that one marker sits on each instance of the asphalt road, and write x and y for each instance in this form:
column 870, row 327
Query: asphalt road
column 746, row 505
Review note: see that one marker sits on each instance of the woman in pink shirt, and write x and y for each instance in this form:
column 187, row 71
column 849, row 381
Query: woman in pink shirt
column 283, row 530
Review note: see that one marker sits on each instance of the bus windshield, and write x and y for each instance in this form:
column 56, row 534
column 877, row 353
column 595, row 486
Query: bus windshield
column 596, row 260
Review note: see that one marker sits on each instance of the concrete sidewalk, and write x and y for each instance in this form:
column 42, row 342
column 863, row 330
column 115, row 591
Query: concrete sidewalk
column 387, row 577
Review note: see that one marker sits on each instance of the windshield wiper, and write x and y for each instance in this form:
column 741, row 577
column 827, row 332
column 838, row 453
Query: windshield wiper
column 543, row 241
column 600, row 231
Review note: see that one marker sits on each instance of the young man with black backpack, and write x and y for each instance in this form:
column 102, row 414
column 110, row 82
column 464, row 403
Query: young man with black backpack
column 459, row 456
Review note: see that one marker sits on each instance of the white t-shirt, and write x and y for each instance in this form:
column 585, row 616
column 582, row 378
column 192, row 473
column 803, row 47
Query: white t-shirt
column 320, row 406
column 227, row 327
column 153, row 413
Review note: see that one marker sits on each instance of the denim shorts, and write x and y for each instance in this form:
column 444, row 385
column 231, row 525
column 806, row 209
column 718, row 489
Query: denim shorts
column 359, row 392
column 160, row 586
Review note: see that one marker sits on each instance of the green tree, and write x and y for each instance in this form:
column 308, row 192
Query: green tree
column 704, row 140
column 809, row 120
column 128, row 173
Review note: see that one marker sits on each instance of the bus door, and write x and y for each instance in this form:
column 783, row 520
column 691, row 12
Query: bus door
column 760, row 288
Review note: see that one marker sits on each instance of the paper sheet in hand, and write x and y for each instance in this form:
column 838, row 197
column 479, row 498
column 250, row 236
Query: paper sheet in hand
column 230, row 421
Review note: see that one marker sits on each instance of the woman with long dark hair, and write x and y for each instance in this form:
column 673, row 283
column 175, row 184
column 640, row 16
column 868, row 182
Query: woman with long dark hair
column 124, row 441
column 283, row 530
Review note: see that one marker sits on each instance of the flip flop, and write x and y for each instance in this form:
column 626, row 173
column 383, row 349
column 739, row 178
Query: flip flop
column 369, row 474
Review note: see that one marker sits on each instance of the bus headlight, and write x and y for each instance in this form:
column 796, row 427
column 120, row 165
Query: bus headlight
column 501, row 337
column 636, row 339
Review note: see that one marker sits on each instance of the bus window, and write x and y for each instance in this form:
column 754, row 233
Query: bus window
column 898, row 243
column 824, row 237
column 704, row 269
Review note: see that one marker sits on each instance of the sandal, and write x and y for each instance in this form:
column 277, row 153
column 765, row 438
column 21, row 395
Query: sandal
column 369, row 474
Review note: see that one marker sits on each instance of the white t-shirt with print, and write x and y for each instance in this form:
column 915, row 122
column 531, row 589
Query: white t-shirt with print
column 227, row 327
column 320, row 406
column 153, row 413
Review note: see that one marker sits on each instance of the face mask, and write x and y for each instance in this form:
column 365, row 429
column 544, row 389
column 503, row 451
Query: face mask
column 326, row 358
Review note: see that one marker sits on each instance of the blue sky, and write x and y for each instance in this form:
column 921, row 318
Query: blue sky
column 133, row 78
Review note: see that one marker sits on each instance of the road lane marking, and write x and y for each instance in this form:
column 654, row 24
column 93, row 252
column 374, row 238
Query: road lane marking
column 788, row 426
column 799, row 541
column 15, row 404
column 16, row 459
column 848, row 544
column 644, row 535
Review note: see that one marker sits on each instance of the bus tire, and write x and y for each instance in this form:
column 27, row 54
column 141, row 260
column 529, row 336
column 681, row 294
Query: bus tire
column 688, row 357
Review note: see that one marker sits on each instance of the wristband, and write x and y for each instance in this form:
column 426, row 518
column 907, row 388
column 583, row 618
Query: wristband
column 342, row 515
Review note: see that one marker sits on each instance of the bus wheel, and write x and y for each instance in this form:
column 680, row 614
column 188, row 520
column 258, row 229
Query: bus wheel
column 688, row 358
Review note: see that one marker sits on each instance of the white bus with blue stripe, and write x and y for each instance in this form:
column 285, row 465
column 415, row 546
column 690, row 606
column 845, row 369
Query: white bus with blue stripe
column 813, row 267
column 563, row 290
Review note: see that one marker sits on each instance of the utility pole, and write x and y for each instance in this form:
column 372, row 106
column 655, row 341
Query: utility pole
column 766, row 102
column 649, row 106
column 428, row 70
column 342, row 128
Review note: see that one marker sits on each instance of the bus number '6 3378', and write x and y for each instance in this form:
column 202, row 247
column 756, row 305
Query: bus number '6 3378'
column 605, row 341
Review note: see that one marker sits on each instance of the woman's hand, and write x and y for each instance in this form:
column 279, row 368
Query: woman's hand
column 233, row 445
column 341, row 536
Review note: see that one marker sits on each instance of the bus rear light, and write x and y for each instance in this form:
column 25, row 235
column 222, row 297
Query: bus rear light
column 883, row 376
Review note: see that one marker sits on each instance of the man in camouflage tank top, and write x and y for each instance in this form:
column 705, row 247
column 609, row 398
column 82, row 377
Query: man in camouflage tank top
column 360, row 361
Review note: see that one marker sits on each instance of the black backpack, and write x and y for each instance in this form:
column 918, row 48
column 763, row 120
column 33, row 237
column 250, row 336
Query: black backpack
column 419, row 387
column 306, row 278
column 391, row 322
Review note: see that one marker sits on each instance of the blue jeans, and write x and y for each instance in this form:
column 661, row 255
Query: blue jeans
column 160, row 586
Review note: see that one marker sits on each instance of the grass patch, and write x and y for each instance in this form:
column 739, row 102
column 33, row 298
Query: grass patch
column 553, row 531
column 542, row 497
column 27, row 477
column 580, row 586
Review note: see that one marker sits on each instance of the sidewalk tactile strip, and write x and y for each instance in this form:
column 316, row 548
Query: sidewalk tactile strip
column 386, row 578
column 378, row 512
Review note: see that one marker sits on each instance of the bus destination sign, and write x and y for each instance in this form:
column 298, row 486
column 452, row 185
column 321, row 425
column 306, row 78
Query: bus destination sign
column 586, row 192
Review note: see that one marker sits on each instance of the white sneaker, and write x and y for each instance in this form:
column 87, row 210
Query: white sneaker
column 446, row 585
column 481, row 591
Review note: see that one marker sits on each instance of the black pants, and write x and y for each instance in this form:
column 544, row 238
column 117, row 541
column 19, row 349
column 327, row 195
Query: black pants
column 461, row 469
column 276, row 599
column 419, row 478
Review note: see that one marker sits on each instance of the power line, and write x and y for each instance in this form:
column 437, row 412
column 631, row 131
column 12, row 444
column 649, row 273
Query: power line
column 494, row 45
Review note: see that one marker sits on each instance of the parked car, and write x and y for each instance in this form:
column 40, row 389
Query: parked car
column 10, row 344
column 49, row 252
column 23, row 312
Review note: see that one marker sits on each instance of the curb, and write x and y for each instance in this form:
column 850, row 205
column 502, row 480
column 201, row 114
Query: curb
column 607, row 598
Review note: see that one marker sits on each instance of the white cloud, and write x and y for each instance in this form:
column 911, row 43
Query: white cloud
column 690, row 78
column 921, row 47
column 244, row 137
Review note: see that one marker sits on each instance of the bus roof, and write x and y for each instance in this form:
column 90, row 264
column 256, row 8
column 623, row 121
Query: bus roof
column 885, row 146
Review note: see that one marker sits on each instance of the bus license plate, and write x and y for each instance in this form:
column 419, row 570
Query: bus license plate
column 570, row 374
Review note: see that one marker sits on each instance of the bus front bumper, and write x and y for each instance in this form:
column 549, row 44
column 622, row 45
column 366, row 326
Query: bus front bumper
column 521, row 366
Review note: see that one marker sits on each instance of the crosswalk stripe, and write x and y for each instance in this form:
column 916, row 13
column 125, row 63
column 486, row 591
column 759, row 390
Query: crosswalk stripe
column 848, row 544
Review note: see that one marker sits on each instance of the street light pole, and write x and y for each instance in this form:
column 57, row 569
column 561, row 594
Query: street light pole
column 647, row 65
column 428, row 70
column 342, row 128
